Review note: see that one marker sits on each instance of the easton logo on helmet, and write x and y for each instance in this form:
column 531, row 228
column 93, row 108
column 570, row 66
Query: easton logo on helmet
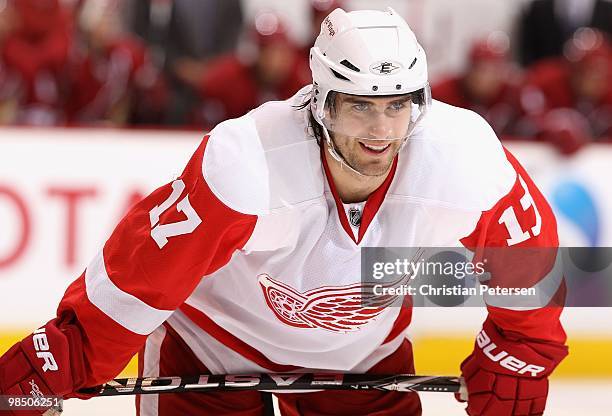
column 384, row 68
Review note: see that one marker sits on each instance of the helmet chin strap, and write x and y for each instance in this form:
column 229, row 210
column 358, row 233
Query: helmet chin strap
column 331, row 149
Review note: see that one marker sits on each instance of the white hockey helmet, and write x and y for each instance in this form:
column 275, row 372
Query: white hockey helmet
column 366, row 52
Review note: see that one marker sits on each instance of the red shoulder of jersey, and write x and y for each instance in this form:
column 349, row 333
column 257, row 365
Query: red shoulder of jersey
column 152, row 262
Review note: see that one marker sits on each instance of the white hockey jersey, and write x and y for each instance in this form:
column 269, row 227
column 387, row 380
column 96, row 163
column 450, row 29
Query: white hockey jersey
column 251, row 257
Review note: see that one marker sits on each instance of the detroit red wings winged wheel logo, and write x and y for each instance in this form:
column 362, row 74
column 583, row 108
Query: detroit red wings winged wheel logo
column 333, row 308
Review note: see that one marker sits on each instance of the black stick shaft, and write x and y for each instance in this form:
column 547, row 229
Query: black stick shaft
column 276, row 382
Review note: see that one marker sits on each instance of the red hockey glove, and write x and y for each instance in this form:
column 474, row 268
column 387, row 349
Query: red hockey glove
column 48, row 362
column 508, row 377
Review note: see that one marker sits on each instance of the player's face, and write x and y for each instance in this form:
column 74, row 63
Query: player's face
column 368, row 131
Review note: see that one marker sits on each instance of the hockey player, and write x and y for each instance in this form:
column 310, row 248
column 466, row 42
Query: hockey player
column 248, row 261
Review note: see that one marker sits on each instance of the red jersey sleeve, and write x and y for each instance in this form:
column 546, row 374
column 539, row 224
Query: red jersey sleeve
column 152, row 262
column 523, row 222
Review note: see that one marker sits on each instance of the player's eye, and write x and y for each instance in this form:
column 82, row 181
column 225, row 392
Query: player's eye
column 398, row 105
column 361, row 107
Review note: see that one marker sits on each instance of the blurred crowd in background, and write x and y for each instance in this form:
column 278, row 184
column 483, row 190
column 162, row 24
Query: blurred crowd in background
column 194, row 63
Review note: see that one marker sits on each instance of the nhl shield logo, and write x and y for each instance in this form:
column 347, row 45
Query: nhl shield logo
column 354, row 216
column 385, row 68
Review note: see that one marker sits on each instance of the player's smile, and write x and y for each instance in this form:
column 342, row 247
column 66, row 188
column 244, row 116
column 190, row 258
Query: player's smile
column 375, row 147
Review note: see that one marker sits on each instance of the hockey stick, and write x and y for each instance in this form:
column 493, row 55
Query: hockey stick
column 279, row 382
